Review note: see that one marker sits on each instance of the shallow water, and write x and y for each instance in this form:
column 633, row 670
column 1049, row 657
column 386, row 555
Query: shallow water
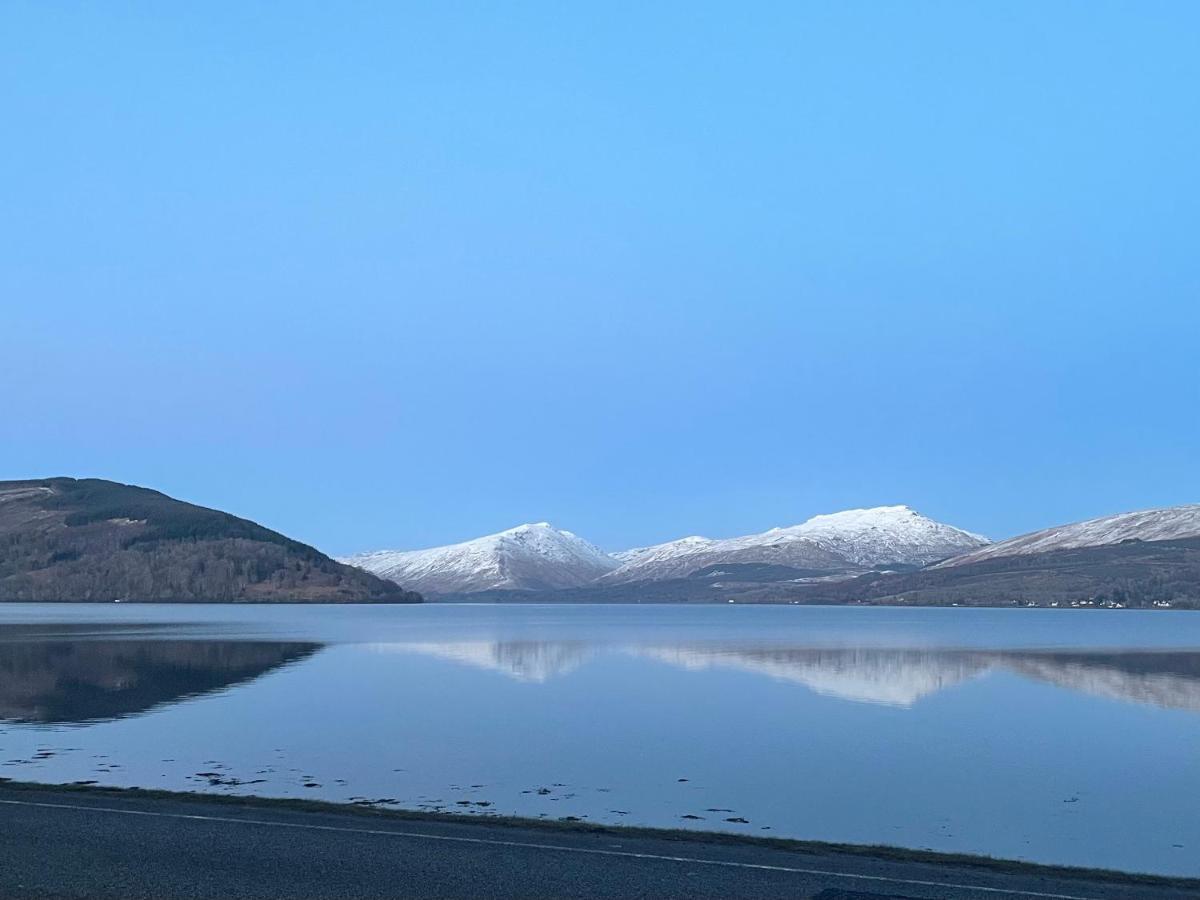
column 1062, row 736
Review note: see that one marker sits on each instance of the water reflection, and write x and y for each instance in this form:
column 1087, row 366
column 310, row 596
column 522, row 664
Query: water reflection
column 900, row 678
column 77, row 681
column 863, row 674
column 1166, row 679
column 50, row 679
column 933, row 728
column 533, row 661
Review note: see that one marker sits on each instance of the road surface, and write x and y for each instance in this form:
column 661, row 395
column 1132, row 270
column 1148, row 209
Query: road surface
column 82, row 844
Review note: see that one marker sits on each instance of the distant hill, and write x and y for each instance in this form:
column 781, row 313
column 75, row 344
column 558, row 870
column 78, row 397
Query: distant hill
column 67, row 539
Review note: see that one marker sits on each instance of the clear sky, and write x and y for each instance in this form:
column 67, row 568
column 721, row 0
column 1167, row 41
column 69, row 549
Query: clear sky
column 398, row 274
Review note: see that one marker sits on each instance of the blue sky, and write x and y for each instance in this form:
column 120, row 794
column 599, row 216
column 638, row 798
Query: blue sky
column 388, row 275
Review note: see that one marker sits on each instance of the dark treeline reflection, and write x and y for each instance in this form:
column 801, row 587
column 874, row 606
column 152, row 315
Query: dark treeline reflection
column 77, row 681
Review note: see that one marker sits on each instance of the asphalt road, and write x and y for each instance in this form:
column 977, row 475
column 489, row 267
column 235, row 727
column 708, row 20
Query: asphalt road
column 68, row 844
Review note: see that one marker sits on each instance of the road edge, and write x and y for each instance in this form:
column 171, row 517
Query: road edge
column 881, row 852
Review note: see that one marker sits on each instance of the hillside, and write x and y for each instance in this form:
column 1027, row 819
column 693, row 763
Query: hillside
column 67, row 539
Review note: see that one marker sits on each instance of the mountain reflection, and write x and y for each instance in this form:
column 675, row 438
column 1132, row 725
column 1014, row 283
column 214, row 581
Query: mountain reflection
column 867, row 675
column 534, row 661
column 892, row 677
column 65, row 681
column 1167, row 679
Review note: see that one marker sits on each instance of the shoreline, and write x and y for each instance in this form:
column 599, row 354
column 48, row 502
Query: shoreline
column 880, row 852
column 524, row 601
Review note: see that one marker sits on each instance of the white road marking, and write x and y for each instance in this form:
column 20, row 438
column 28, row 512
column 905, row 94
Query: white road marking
column 530, row 845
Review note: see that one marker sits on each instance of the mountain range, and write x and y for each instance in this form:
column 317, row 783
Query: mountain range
column 67, row 539
column 887, row 554
column 540, row 557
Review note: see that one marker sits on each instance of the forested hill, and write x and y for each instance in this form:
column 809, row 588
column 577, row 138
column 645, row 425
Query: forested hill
column 67, row 539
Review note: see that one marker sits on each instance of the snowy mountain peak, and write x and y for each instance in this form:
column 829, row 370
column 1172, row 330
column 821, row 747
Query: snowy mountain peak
column 1168, row 523
column 535, row 556
column 856, row 520
column 853, row 538
column 884, row 534
column 901, row 517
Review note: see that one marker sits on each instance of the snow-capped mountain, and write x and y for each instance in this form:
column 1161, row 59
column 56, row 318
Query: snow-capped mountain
column 852, row 539
column 541, row 557
column 1173, row 522
column 528, row 557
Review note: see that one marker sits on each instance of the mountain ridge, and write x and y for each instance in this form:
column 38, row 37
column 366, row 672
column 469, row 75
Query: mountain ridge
column 1159, row 524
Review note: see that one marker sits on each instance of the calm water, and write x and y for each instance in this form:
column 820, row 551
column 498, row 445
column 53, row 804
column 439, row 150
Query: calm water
column 1064, row 736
